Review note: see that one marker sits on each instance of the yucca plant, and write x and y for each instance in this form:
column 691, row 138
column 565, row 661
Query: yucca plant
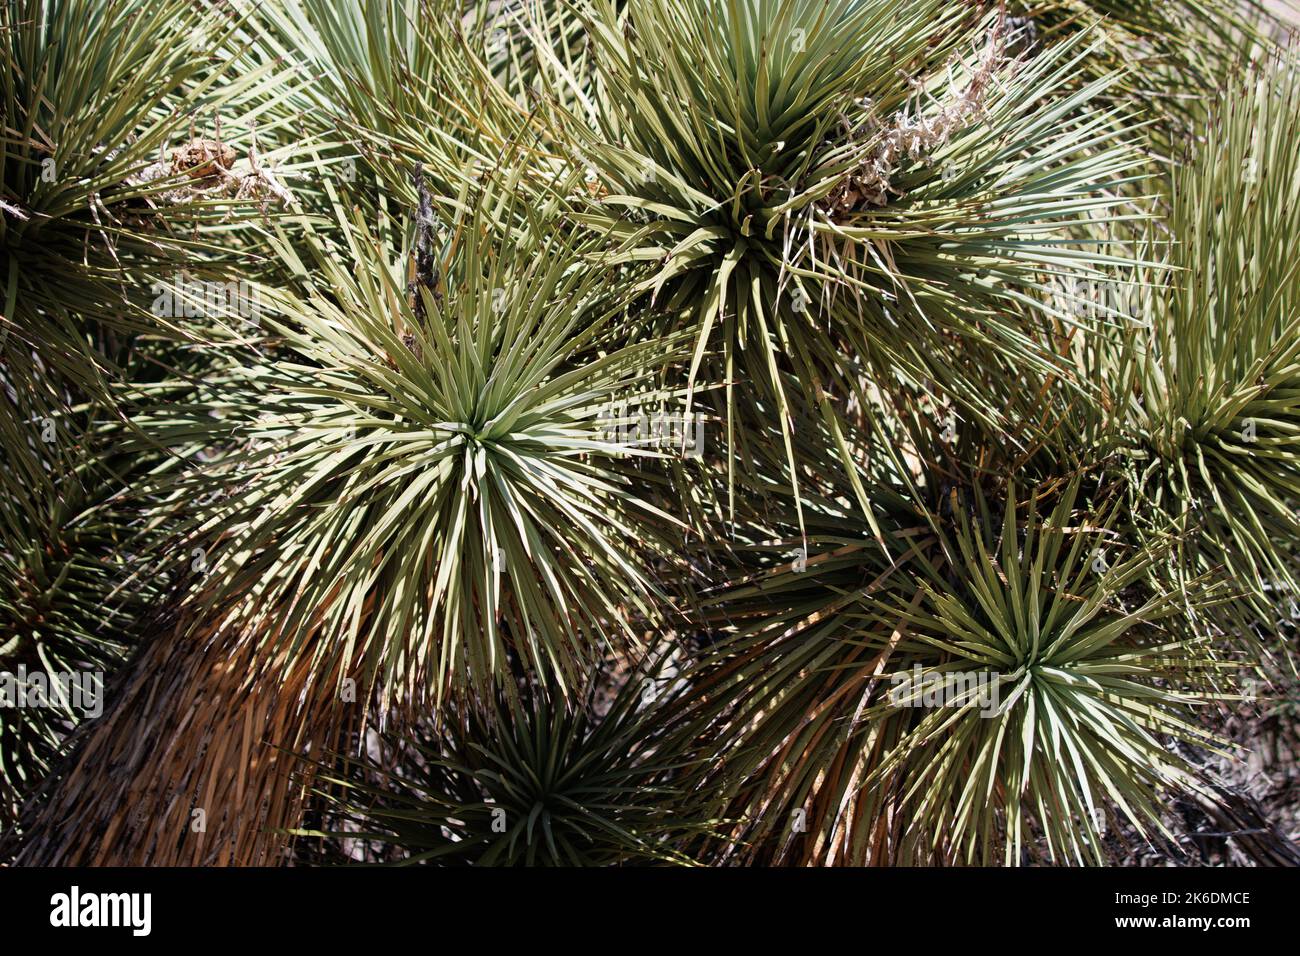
column 1073, row 676
column 117, row 180
column 381, row 69
column 1092, row 686
column 688, row 432
column 537, row 779
column 804, row 202
column 114, row 162
column 1189, row 49
column 429, row 475
column 1217, row 417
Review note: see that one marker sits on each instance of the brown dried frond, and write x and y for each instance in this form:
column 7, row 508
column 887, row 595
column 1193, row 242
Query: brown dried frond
column 209, row 166
column 203, row 159
column 203, row 721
